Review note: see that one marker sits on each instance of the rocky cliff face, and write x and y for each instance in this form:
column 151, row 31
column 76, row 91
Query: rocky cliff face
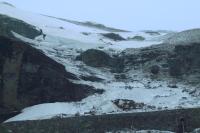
column 186, row 59
column 28, row 77
column 9, row 24
column 178, row 61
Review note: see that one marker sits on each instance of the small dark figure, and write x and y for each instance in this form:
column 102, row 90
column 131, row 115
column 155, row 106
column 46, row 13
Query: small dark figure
column 44, row 36
column 181, row 125
column 41, row 32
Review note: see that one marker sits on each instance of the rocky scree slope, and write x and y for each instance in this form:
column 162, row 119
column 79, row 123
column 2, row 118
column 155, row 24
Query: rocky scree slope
column 166, row 61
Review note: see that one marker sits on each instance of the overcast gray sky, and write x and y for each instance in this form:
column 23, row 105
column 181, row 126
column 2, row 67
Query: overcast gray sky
column 125, row 14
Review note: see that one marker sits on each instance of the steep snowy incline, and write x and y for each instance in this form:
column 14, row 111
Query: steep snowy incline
column 63, row 29
column 50, row 26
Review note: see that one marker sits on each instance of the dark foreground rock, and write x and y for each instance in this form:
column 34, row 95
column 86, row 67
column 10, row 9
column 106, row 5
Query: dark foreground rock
column 162, row 120
column 28, row 77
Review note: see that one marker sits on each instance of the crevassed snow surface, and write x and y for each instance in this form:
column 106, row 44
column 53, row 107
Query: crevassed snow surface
column 64, row 44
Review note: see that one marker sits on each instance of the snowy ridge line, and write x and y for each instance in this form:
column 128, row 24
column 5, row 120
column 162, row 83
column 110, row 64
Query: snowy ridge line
column 89, row 24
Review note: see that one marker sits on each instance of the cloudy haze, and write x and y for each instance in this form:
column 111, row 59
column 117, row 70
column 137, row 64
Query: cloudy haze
column 125, row 14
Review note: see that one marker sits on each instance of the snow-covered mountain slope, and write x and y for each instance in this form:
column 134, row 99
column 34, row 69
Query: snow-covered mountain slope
column 65, row 41
column 63, row 29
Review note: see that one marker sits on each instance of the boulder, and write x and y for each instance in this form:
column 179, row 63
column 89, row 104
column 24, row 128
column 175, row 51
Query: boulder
column 95, row 58
column 98, row 58
column 126, row 104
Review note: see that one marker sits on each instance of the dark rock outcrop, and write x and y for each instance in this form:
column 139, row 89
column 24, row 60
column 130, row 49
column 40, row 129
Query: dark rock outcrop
column 138, row 57
column 113, row 36
column 126, row 104
column 152, row 33
column 95, row 58
column 98, row 58
column 91, row 78
column 9, row 24
column 137, row 38
column 185, row 60
column 28, row 77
